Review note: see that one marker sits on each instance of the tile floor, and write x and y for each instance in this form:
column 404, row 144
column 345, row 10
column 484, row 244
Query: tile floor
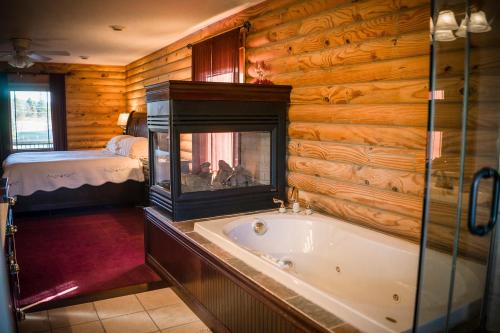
column 153, row 311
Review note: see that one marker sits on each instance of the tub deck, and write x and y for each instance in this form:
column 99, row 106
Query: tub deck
column 323, row 320
column 364, row 277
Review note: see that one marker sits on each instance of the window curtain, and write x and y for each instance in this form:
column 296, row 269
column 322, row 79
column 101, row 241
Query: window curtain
column 4, row 117
column 225, row 57
column 202, row 61
column 58, row 109
column 216, row 60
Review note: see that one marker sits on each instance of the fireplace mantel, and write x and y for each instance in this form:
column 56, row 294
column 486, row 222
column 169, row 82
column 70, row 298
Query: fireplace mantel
column 217, row 91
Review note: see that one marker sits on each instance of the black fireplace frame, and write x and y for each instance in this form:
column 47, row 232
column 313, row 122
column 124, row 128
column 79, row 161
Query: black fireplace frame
column 198, row 107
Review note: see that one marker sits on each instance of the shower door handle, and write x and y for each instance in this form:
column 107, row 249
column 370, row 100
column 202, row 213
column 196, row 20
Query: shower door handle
column 484, row 173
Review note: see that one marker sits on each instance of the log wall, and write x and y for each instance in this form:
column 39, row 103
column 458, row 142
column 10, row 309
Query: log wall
column 95, row 95
column 359, row 71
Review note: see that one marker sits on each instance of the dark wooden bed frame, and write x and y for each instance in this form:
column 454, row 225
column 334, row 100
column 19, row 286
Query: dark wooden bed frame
column 130, row 192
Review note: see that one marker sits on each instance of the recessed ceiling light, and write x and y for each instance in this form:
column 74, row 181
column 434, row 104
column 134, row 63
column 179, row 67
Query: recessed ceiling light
column 117, row 27
column 84, row 57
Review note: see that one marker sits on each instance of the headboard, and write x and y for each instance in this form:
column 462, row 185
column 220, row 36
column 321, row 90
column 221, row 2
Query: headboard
column 137, row 124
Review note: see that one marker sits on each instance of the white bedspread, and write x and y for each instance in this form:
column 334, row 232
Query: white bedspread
column 47, row 171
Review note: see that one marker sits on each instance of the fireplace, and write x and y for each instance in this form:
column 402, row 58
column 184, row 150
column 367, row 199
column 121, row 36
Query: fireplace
column 216, row 148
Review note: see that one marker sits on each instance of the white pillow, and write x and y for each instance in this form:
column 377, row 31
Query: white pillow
column 113, row 143
column 133, row 147
column 140, row 149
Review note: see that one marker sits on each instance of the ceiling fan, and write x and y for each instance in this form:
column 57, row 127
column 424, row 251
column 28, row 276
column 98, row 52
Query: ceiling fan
column 22, row 57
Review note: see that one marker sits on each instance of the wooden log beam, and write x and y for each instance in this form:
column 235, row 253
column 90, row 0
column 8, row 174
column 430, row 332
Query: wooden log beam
column 389, row 25
column 403, row 137
column 171, row 58
column 403, row 204
column 365, row 51
column 409, row 115
column 409, row 91
column 181, row 74
column 385, row 179
column 399, row 69
column 159, row 70
column 76, row 88
column 378, row 157
column 329, row 19
column 94, row 82
column 371, row 217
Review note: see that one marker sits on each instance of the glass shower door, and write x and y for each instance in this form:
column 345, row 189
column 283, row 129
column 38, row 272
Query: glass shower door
column 458, row 286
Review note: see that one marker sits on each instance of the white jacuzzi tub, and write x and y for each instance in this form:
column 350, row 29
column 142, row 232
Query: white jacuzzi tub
column 366, row 278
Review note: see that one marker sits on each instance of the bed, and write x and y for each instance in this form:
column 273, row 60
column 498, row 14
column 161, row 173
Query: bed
column 69, row 179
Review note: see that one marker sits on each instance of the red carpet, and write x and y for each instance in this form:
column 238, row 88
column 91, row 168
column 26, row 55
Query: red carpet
column 93, row 250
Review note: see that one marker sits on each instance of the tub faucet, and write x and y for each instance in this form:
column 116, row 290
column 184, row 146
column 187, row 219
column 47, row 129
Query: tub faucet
column 282, row 208
column 308, row 210
column 295, row 200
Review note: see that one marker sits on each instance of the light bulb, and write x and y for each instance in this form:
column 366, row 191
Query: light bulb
column 28, row 63
column 462, row 30
column 446, row 21
column 431, row 27
column 19, row 61
column 444, row 36
column 478, row 22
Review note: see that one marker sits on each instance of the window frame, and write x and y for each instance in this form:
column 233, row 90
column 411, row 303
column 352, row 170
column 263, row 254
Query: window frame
column 14, row 144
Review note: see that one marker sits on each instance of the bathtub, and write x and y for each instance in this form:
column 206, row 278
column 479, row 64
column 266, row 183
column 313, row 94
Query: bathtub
column 366, row 278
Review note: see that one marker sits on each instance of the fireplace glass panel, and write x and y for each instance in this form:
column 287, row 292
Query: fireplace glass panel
column 218, row 161
column 161, row 149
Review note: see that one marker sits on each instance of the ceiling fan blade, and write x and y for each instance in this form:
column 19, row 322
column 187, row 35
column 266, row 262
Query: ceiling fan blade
column 54, row 53
column 38, row 57
column 5, row 57
column 5, row 52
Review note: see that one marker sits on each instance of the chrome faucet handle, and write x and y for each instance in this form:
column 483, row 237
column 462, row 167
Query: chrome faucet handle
column 282, row 208
column 281, row 202
column 308, row 210
column 295, row 194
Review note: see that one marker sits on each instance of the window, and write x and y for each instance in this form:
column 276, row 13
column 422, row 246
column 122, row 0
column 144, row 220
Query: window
column 31, row 121
column 219, row 59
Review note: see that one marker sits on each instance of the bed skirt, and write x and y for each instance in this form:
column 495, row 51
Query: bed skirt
column 130, row 192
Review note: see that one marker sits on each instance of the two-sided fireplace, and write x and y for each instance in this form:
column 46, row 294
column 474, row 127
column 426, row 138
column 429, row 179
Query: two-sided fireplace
column 216, row 148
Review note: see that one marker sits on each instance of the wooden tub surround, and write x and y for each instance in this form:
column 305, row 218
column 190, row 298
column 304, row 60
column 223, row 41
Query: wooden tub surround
column 226, row 293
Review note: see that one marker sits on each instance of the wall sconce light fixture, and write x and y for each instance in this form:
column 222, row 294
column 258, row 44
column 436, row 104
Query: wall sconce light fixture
column 446, row 23
column 478, row 22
